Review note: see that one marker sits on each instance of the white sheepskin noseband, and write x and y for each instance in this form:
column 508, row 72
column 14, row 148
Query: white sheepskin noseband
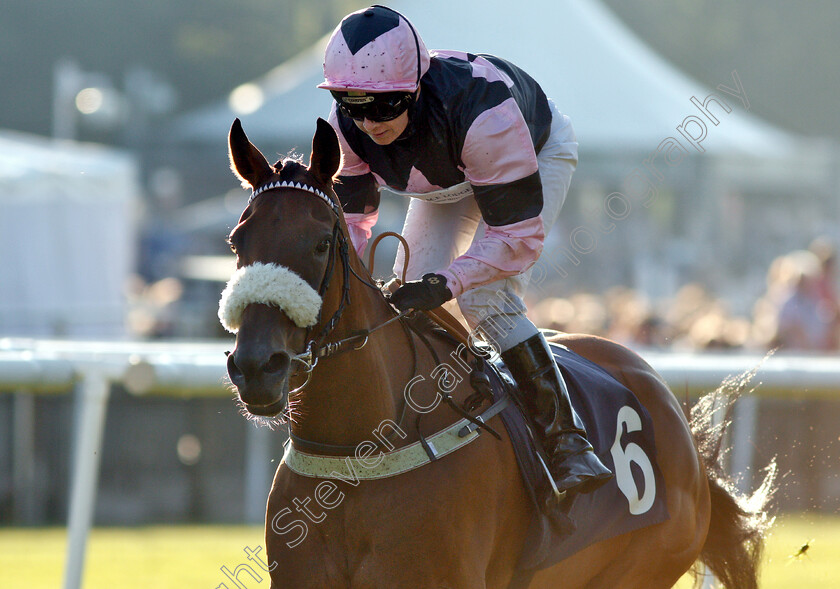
column 268, row 284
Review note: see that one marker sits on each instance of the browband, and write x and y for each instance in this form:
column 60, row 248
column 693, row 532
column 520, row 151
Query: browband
column 297, row 186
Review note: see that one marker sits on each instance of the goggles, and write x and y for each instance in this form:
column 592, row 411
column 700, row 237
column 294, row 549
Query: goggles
column 377, row 107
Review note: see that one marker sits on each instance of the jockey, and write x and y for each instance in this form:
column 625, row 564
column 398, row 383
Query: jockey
column 487, row 160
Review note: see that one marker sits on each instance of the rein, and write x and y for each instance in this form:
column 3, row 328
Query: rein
column 310, row 357
column 440, row 315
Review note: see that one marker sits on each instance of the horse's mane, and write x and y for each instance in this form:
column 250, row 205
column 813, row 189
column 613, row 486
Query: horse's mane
column 292, row 158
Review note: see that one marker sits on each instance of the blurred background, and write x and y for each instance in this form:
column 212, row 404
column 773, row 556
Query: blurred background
column 703, row 216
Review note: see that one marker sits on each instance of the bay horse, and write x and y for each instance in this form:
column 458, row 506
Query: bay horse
column 318, row 344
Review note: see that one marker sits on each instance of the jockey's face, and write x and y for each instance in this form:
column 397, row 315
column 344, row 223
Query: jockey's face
column 384, row 132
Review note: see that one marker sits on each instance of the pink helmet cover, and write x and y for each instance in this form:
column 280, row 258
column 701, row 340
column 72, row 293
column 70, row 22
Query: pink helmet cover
column 375, row 50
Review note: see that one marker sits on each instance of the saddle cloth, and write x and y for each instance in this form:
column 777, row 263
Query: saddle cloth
column 621, row 432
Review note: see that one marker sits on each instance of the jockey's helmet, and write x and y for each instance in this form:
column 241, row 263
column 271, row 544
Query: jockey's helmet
column 375, row 50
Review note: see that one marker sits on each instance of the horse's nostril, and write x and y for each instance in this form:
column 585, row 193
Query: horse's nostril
column 277, row 363
column 234, row 373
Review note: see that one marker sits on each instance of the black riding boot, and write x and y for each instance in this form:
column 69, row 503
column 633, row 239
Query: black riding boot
column 572, row 461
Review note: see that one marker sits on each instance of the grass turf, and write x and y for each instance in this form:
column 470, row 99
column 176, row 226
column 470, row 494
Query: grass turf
column 170, row 557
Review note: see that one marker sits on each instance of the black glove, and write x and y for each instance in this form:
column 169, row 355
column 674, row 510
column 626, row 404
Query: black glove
column 424, row 295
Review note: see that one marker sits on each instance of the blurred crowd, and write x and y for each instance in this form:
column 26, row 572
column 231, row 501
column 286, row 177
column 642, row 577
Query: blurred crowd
column 799, row 311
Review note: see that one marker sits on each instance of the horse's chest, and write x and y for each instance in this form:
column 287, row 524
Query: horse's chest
column 332, row 533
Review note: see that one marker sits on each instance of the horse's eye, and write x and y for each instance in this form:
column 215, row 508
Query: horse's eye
column 235, row 240
column 323, row 246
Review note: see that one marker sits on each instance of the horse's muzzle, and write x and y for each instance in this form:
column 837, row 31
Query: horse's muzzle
column 261, row 379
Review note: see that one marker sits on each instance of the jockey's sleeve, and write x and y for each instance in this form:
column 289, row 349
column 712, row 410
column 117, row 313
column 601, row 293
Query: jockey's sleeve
column 501, row 164
column 503, row 251
column 357, row 191
column 361, row 208
column 360, row 226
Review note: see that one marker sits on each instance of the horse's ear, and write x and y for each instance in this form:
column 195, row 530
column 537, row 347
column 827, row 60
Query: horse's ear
column 326, row 153
column 246, row 161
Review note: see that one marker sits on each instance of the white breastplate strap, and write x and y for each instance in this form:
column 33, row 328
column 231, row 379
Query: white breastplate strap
column 387, row 464
column 377, row 465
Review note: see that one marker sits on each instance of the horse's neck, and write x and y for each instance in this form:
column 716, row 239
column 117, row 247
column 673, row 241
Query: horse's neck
column 389, row 381
column 352, row 392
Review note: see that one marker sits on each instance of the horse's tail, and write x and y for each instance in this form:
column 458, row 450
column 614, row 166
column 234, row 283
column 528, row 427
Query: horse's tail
column 734, row 544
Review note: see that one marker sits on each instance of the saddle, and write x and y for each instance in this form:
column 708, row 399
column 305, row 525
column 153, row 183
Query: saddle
column 634, row 499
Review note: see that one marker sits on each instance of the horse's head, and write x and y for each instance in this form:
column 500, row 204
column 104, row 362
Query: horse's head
column 286, row 246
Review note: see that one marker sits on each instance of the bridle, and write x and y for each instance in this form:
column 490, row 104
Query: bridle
column 317, row 347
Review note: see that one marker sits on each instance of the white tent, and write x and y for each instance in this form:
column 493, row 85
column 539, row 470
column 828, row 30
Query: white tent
column 617, row 91
column 67, row 237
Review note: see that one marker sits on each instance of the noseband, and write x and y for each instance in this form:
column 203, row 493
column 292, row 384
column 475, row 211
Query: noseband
column 268, row 284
